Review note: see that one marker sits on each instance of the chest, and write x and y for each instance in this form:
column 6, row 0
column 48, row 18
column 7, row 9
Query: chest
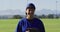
column 30, row 25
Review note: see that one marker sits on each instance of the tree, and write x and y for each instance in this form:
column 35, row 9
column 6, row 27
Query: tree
column 42, row 16
column 50, row 16
column 17, row 17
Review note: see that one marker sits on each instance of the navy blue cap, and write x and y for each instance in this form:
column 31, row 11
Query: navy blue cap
column 31, row 5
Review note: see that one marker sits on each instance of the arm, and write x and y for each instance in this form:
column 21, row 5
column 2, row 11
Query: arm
column 41, row 26
column 19, row 27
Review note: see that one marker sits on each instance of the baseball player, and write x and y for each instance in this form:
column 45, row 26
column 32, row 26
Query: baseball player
column 30, row 23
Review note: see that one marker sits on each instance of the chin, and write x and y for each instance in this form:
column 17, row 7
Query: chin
column 29, row 15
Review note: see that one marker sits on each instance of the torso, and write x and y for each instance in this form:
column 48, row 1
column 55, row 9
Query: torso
column 33, row 24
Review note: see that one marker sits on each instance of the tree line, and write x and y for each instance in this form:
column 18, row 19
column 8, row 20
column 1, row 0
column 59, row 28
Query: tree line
column 50, row 16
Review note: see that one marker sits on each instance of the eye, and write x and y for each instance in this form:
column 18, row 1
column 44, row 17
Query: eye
column 29, row 10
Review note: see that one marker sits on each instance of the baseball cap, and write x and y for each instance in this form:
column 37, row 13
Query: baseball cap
column 31, row 5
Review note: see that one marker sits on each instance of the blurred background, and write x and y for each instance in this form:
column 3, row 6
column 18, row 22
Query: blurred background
column 11, row 11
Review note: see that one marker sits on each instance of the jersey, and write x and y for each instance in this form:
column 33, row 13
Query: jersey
column 35, row 23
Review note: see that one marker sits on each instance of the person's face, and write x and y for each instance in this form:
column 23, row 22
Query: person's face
column 30, row 11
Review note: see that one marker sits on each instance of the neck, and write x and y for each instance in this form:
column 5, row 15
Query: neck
column 29, row 17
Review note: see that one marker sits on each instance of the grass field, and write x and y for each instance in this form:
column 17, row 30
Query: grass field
column 9, row 25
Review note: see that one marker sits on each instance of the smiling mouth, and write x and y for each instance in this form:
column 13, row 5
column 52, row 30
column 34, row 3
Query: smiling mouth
column 29, row 13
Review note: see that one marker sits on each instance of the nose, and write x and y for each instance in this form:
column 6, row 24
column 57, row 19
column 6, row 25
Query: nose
column 30, row 11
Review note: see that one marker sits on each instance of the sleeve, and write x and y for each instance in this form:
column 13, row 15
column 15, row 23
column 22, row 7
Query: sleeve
column 41, row 26
column 19, row 27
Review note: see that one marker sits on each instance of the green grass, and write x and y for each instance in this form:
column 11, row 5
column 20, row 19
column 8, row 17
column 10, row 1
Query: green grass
column 9, row 25
column 52, row 25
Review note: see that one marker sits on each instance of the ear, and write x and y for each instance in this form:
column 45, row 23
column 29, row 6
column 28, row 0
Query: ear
column 25, row 12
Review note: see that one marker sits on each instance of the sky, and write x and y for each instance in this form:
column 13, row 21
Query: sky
column 22, row 4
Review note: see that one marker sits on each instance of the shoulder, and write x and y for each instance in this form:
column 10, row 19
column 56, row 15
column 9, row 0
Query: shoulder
column 22, row 20
column 38, row 20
